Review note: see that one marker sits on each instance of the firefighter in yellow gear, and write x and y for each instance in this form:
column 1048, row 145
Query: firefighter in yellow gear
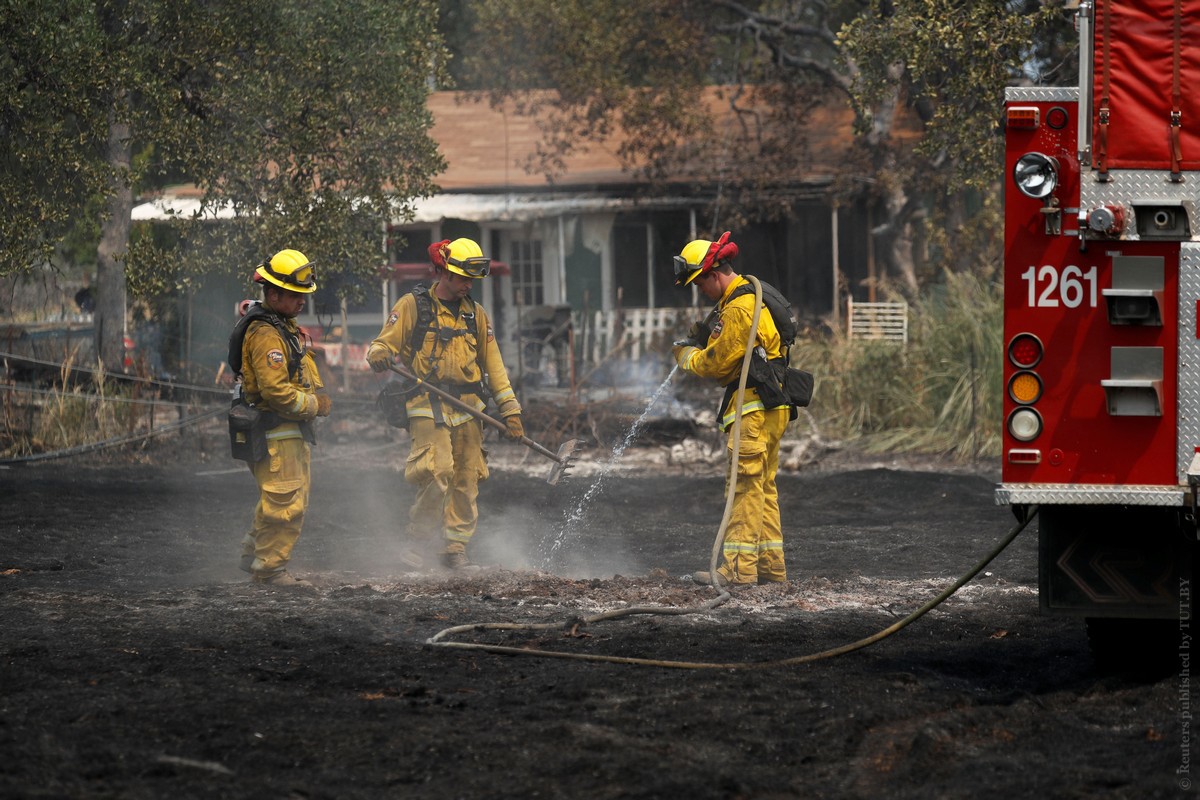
column 753, row 547
column 445, row 338
column 279, row 376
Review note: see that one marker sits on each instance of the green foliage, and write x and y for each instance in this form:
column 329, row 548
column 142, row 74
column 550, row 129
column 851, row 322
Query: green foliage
column 636, row 71
column 940, row 394
column 51, row 163
column 308, row 120
column 646, row 71
column 949, row 59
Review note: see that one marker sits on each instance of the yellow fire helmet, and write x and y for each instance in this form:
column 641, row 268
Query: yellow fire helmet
column 288, row 269
column 464, row 257
column 701, row 255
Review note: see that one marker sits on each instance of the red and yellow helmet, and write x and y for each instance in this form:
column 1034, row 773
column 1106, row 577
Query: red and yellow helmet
column 701, row 255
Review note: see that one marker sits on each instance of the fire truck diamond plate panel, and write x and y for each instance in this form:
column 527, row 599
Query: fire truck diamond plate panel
column 1132, row 187
column 1067, row 494
column 1041, row 94
column 1189, row 357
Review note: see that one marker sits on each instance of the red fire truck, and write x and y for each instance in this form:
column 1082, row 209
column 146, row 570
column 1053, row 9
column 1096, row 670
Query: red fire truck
column 1101, row 294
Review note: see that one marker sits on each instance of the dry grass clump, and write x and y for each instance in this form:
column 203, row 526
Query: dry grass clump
column 69, row 414
column 939, row 394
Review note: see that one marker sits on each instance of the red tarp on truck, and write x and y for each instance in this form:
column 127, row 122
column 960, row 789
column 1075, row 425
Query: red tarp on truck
column 1140, row 48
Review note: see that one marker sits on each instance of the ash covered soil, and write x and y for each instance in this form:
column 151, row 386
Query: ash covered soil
column 136, row 661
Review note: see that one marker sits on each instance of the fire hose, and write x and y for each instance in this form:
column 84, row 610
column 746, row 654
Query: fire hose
column 735, row 436
column 439, row 639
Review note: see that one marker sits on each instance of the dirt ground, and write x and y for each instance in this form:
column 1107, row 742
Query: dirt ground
column 136, row 661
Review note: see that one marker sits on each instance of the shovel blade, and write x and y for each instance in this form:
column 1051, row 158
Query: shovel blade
column 567, row 453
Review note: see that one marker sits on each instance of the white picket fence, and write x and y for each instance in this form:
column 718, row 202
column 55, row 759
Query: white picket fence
column 887, row 322
column 601, row 331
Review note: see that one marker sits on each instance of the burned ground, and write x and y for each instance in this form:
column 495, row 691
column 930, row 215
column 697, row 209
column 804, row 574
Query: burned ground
column 137, row 661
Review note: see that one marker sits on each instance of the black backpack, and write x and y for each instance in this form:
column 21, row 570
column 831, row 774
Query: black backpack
column 780, row 308
column 776, row 382
column 248, row 425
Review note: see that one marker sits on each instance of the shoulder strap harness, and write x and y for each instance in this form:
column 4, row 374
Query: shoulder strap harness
column 258, row 312
column 766, row 375
column 427, row 322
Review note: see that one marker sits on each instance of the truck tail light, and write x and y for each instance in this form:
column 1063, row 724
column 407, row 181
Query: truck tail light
column 1024, row 424
column 1025, row 351
column 1025, row 387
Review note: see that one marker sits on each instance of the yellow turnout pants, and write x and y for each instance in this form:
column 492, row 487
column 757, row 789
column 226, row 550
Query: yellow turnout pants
column 284, row 483
column 753, row 548
column 446, row 464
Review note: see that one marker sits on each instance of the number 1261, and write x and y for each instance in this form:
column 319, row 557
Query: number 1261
column 1049, row 289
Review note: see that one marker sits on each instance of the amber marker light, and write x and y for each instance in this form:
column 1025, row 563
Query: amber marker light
column 1025, row 387
column 1025, row 351
column 1023, row 117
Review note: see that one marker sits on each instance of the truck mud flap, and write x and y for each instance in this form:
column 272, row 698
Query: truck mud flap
column 1110, row 561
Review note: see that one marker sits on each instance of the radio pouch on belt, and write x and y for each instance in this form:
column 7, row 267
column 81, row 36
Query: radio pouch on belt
column 245, row 422
column 248, row 428
column 393, row 402
column 765, row 378
column 776, row 383
column 798, row 386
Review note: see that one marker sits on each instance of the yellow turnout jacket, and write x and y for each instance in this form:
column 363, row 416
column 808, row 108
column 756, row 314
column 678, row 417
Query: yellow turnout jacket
column 456, row 354
column 266, row 381
column 721, row 357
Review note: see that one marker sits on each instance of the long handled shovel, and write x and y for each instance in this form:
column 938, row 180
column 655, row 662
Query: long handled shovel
column 563, row 459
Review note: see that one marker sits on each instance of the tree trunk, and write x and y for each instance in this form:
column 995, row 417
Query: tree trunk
column 902, row 209
column 894, row 233
column 110, row 255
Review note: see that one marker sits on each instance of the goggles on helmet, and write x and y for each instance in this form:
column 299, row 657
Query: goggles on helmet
column 684, row 270
column 477, row 267
column 305, row 277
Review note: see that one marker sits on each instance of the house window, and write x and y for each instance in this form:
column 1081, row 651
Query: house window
column 525, row 261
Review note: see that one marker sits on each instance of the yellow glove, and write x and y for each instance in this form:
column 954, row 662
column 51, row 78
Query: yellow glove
column 379, row 357
column 683, row 354
column 515, row 429
column 324, row 403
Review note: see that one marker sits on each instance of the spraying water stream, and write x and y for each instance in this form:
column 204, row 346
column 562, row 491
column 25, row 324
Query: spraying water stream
column 571, row 524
